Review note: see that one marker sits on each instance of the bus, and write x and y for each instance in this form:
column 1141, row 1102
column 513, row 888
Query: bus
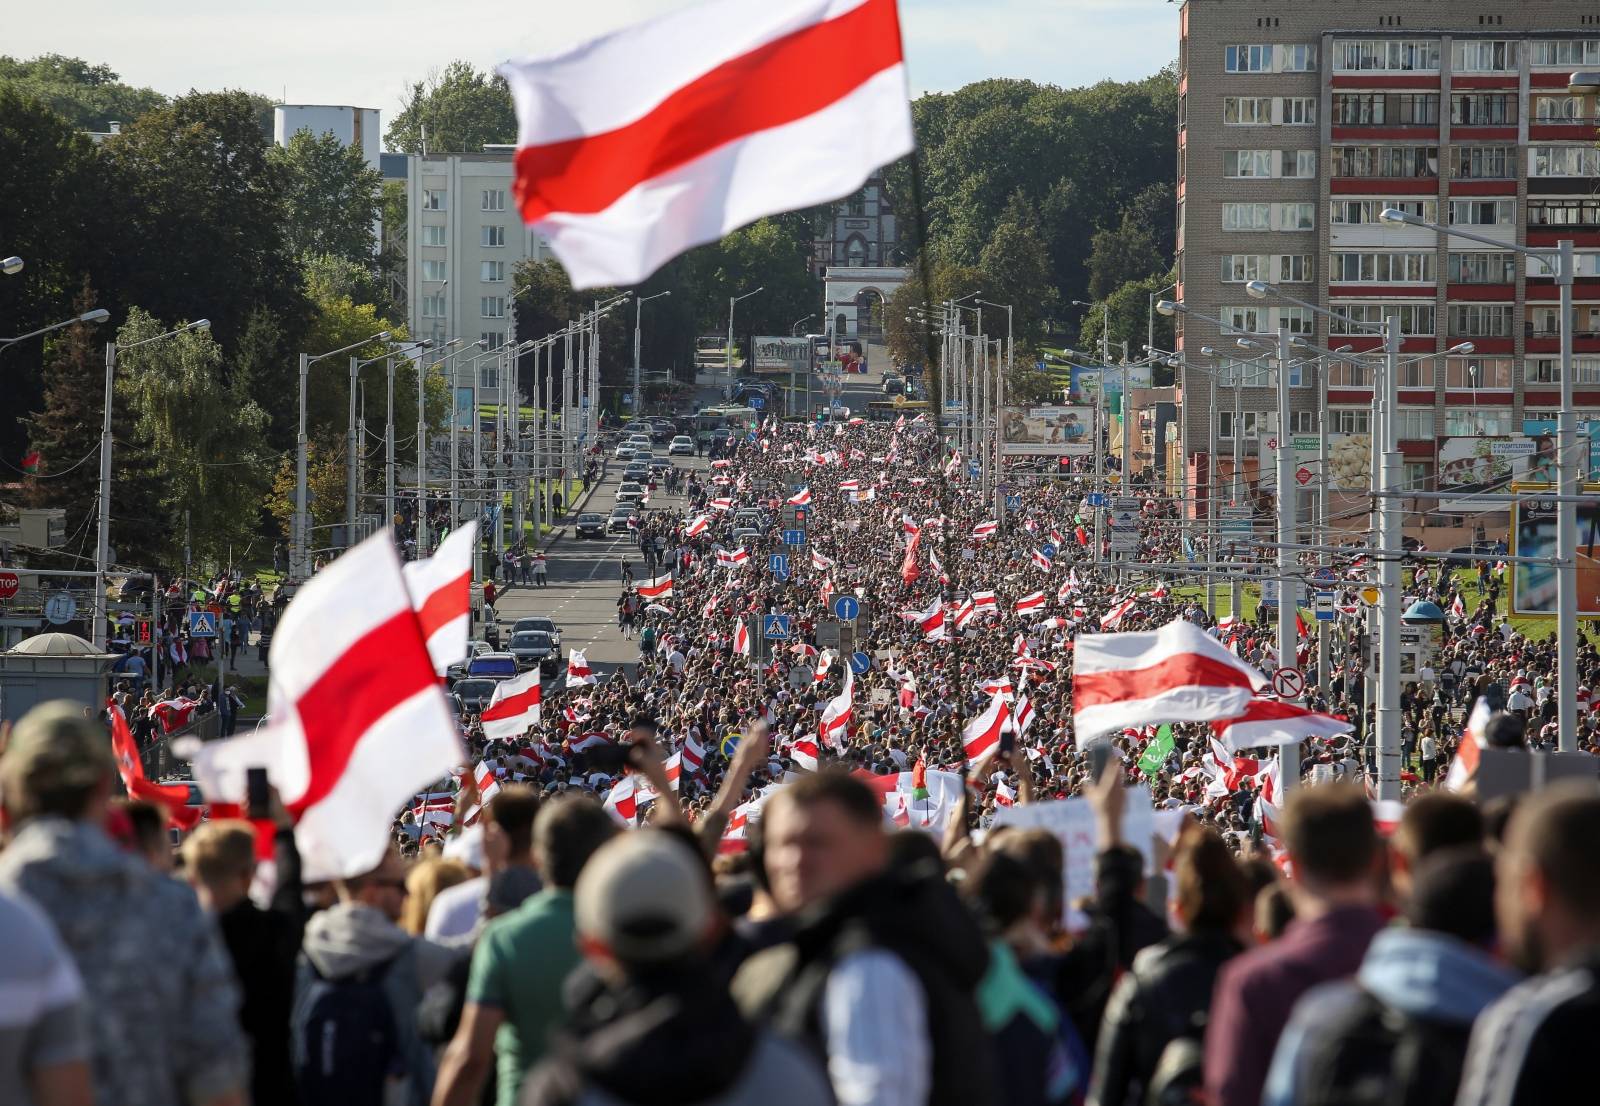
column 887, row 410
column 738, row 419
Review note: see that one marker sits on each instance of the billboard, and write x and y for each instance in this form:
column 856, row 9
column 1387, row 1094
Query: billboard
column 1350, row 463
column 1533, row 534
column 1474, row 466
column 1541, row 428
column 782, row 355
column 466, row 412
column 1085, row 383
column 1059, row 431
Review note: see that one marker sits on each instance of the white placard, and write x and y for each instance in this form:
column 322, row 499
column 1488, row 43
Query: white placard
column 1072, row 821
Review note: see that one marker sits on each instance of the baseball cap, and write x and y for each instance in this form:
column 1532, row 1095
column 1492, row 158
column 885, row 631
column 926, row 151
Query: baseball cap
column 54, row 746
column 643, row 896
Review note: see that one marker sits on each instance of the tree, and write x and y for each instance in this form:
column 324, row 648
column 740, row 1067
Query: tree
column 88, row 97
column 1016, row 271
column 1141, row 244
column 338, row 321
column 1131, row 322
column 205, row 433
column 325, row 485
column 66, row 433
column 331, row 196
column 456, row 110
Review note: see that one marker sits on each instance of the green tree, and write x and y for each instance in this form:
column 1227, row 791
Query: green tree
column 331, row 197
column 1016, row 271
column 1131, row 322
column 455, row 110
column 88, row 97
column 66, row 433
column 338, row 321
column 325, row 485
column 205, row 432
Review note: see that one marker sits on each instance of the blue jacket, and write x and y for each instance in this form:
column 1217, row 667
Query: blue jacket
column 1418, row 972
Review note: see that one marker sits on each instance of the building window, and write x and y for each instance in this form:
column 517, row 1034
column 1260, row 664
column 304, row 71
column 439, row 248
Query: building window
column 493, row 235
column 493, row 307
column 1393, row 108
column 1412, row 424
column 1267, row 58
column 1246, row 216
column 1580, row 212
column 1415, row 318
column 1248, row 163
column 1415, row 473
column 1483, row 109
column 1300, row 163
column 1547, row 370
column 1564, row 161
column 493, row 339
column 1558, row 109
column 1299, row 110
column 433, row 307
column 1294, row 216
column 433, row 199
column 1302, row 422
column 1251, row 423
column 1380, row 268
column 1478, row 374
column 434, row 270
column 1296, row 320
column 493, row 272
column 494, row 199
column 432, row 235
column 1475, row 422
column 1244, row 374
column 1349, row 420
column 1483, row 162
column 1247, row 111
column 1346, row 374
column 1483, row 55
column 1480, row 320
column 1571, row 51
column 1366, row 55
column 1384, row 161
column 1241, row 320
column 1482, row 267
column 1295, row 268
column 1360, row 212
column 1482, row 213
column 1240, row 268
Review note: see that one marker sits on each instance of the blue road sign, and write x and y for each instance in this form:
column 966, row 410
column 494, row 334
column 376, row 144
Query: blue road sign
column 202, row 624
column 779, row 564
column 775, row 627
column 845, row 608
column 1097, row 499
column 974, row 469
column 860, row 663
column 1325, row 610
column 1324, row 573
column 1049, row 550
column 794, row 537
column 781, row 577
column 755, row 402
column 1013, row 503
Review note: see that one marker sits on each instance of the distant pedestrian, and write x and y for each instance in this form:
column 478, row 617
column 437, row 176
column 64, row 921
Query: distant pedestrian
column 539, row 568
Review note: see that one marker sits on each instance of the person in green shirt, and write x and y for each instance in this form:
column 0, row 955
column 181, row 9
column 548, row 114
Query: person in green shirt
column 521, row 960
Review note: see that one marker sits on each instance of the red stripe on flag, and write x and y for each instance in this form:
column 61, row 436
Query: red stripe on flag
column 785, row 80
column 448, row 601
column 1093, row 689
column 378, row 672
column 512, row 706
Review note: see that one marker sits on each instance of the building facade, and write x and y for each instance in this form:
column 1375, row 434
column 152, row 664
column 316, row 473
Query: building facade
column 357, row 128
column 464, row 241
column 860, row 232
column 1298, row 124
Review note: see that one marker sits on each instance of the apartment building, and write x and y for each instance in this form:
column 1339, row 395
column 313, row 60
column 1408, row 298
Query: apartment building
column 464, row 242
column 1298, row 124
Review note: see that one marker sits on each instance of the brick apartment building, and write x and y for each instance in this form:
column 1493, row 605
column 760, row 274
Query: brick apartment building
column 1299, row 122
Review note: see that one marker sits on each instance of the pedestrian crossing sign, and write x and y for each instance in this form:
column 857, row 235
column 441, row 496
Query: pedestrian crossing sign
column 202, row 624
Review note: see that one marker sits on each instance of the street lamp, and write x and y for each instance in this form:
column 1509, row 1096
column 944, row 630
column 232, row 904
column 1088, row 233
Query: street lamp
column 353, row 448
column 422, row 432
column 1560, row 262
column 102, row 554
column 728, row 353
column 297, row 561
column 638, row 318
column 98, row 315
column 11, row 266
column 794, row 331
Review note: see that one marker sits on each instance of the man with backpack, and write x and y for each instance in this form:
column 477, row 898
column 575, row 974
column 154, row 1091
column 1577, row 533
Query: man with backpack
column 360, row 977
column 1396, row 1035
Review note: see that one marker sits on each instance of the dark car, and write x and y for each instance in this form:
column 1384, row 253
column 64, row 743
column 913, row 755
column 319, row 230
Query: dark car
column 493, row 666
column 457, row 669
column 591, row 526
column 662, row 430
column 474, row 694
column 535, row 647
column 636, row 473
column 538, row 622
column 618, row 523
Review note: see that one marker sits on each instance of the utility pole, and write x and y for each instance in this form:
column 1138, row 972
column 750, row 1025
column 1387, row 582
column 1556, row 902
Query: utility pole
column 388, row 444
column 1288, row 632
column 1389, row 719
column 352, row 450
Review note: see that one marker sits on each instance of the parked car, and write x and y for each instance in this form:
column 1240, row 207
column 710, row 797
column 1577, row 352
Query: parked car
column 618, row 523
column 474, row 694
column 534, row 647
column 591, row 526
column 542, row 623
column 457, row 670
column 682, row 445
column 492, row 666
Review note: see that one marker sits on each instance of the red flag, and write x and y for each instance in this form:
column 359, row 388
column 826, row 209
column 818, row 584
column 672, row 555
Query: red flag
column 30, row 462
column 1083, row 538
column 174, row 797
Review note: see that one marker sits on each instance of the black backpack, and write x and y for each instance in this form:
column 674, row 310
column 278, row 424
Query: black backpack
column 344, row 1045
column 1373, row 1054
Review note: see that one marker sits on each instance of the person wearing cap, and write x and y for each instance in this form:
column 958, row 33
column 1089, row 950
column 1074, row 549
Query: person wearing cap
column 646, row 922
column 161, row 998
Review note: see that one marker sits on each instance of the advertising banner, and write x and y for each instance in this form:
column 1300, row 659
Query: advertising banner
column 1533, row 534
column 1086, row 383
column 1059, row 431
column 1546, row 428
column 1472, row 466
column 1350, row 463
column 782, row 355
column 466, row 411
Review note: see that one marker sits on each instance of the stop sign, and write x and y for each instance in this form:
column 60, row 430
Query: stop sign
column 8, row 584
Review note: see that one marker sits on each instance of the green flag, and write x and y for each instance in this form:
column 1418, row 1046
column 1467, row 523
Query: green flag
column 1157, row 752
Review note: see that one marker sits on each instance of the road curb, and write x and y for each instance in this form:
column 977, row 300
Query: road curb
column 575, row 509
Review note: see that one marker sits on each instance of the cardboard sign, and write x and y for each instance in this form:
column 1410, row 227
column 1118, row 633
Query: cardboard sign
column 1072, row 821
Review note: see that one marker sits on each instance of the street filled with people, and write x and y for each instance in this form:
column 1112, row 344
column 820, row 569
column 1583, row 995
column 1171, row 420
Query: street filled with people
column 806, row 851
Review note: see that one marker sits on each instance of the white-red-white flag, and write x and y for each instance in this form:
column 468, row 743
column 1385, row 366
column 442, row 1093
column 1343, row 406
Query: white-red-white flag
column 697, row 526
column 578, row 670
column 985, row 529
column 1032, row 602
column 441, row 593
column 804, row 753
column 513, row 707
column 658, row 587
column 836, row 717
column 1178, row 673
column 645, row 142
column 800, row 498
column 741, row 638
column 982, row 734
column 1272, row 722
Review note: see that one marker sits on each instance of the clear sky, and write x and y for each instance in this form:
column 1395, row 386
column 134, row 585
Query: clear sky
column 365, row 52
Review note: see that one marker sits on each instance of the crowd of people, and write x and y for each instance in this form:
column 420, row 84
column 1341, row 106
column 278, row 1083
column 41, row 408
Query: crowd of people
column 740, row 871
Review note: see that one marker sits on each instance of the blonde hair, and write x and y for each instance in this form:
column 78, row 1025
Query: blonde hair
column 220, row 850
column 423, row 883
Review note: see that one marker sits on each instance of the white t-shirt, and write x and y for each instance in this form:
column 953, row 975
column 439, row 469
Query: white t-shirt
column 455, row 910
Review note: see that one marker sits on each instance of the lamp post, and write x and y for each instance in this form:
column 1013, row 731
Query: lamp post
column 1560, row 261
column 638, row 319
column 11, row 266
column 422, row 432
column 353, row 447
column 98, row 315
column 102, row 553
column 728, row 352
column 1000, row 392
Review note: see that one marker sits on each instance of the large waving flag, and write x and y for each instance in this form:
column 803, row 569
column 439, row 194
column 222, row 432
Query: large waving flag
column 514, row 706
column 1178, row 673
column 835, row 719
column 578, row 671
column 441, row 593
column 982, row 735
column 1271, row 722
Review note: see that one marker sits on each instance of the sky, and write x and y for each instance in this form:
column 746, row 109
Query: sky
column 366, row 52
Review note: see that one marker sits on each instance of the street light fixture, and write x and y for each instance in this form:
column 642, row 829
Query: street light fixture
column 794, row 331
column 638, row 320
column 98, row 315
column 728, row 352
column 11, row 266
column 102, row 554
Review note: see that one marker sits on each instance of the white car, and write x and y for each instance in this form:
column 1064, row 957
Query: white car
column 681, row 444
column 624, row 452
